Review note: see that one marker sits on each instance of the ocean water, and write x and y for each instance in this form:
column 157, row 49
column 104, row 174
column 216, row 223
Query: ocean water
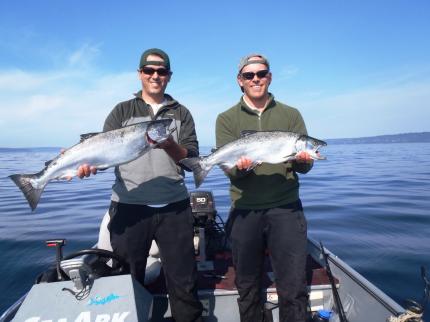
column 368, row 203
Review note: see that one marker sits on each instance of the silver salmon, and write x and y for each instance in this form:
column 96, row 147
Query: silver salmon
column 101, row 150
column 270, row 147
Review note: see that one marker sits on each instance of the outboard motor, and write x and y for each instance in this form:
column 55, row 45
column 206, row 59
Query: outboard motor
column 203, row 209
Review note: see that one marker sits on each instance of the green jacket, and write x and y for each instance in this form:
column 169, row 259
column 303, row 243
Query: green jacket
column 267, row 185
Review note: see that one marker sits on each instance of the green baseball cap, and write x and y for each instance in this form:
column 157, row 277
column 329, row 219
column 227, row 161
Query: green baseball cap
column 154, row 51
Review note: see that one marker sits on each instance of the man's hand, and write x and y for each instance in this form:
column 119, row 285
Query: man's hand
column 173, row 149
column 166, row 143
column 85, row 170
column 244, row 163
column 303, row 157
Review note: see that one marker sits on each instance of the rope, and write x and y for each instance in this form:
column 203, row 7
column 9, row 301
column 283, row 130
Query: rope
column 406, row 316
column 81, row 294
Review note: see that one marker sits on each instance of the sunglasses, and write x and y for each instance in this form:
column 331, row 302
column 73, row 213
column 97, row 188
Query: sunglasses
column 250, row 75
column 151, row 71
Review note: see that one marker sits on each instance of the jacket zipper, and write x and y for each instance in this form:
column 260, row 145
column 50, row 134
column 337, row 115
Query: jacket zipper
column 259, row 122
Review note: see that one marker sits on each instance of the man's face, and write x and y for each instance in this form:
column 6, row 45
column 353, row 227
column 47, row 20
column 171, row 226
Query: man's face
column 154, row 83
column 254, row 84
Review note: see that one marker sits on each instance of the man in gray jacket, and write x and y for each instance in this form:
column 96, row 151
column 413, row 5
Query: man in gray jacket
column 149, row 197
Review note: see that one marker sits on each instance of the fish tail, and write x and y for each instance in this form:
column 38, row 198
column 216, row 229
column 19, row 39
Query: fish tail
column 200, row 172
column 31, row 193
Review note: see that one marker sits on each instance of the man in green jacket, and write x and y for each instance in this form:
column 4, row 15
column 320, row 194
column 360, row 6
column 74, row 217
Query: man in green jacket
column 266, row 209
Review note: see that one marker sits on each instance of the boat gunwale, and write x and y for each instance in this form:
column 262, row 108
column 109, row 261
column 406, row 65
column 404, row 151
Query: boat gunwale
column 391, row 305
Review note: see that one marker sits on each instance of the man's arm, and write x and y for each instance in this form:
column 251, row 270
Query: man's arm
column 187, row 137
column 187, row 145
column 173, row 149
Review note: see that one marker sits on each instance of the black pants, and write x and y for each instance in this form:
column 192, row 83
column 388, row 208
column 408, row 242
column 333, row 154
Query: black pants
column 132, row 229
column 283, row 231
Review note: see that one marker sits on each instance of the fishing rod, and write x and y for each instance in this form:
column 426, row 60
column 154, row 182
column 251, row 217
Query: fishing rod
column 340, row 311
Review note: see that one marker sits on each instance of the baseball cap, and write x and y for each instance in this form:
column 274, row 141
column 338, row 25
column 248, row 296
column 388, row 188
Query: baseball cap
column 154, row 51
column 246, row 61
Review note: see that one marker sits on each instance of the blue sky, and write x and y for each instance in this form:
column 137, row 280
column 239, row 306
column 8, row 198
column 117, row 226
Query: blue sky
column 353, row 68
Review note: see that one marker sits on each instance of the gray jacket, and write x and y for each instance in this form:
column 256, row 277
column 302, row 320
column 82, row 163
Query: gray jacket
column 154, row 178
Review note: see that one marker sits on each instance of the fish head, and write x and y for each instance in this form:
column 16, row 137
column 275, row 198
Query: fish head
column 311, row 146
column 158, row 130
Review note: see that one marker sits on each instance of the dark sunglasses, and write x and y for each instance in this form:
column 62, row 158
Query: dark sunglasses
column 151, row 71
column 250, row 75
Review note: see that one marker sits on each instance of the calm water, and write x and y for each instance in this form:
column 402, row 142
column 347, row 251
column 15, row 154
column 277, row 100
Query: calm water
column 369, row 204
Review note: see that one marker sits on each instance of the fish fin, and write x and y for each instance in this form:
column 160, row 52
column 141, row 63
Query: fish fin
column 88, row 135
column 289, row 157
column 48, row 162
column 31, row 193
column 199, row 173
column 254, row 165
column 68, row 174
column 225, row 167
column 247, row 132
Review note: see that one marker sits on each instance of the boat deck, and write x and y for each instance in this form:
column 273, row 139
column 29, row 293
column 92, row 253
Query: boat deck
column 219, row 282
column 223, row 275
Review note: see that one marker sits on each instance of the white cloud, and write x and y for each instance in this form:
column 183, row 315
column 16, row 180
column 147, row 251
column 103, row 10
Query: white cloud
column 286, row 72
column 19, row 80
column 39, row 104
column 53, row 108
column 84, row 55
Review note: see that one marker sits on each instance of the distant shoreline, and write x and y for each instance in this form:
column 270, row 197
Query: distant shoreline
column 416, row 137
column 41, row 149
